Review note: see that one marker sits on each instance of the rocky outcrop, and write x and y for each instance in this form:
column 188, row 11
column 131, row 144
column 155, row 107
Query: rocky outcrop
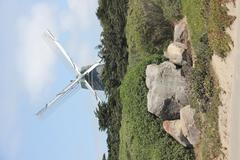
column 174, row 128
column 189, row 128
column 180, row 31
column 167, row 90
column 184, row 130
column 175, row 52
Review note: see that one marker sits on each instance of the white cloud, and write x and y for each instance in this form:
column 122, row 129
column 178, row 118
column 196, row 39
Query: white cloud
column 79, row 15
column 36, row 61
column 10, row 124
column 82, row 53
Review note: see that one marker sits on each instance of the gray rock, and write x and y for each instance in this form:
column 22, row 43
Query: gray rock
column 167, row 90
column 189, row 128
column 174, row 128
column 184, row 129
column 175, row 52
column 180, row 31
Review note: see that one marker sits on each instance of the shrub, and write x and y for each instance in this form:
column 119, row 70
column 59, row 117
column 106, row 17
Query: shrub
column 171, row 9
column 218, row 21
column 141, row 135
column 147, row 29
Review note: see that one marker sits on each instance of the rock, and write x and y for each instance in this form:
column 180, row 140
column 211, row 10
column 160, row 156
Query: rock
column 174, row 128
column 175, row 52
column 189, row 128
column 167, row 90
column 180, row 31
column 184, row 130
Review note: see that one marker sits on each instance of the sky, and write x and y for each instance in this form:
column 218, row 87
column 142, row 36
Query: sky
column 32, row 73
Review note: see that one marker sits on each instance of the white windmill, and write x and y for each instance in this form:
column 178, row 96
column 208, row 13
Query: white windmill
column 88, row 77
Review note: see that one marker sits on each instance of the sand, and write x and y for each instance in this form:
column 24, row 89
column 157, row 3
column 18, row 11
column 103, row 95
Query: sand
column 227, row 71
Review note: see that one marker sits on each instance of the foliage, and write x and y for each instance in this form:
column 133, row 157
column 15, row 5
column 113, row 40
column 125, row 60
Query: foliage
column 218, row 21
column 171, row 9
column 113, row 50
column 142, row 136
column 209, row 16
column 147, row 29
column 193, row 9
column 102, row 113
column 207, row 23
column 205, row 98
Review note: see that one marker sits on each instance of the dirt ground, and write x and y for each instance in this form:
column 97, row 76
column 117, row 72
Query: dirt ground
column 227, row 71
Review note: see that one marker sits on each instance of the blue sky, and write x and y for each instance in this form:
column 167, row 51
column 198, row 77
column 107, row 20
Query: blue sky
column 31, row 74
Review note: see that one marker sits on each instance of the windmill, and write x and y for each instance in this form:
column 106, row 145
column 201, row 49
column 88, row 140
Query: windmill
column 89, row 77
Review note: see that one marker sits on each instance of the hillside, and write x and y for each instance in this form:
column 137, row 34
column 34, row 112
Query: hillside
column 135, row 33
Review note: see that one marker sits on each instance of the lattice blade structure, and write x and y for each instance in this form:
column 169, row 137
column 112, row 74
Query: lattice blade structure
column 93, row 91
column 49, row 37
column 63, row 93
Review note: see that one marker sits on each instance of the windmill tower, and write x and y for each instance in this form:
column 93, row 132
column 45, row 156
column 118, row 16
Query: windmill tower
column 88, row 77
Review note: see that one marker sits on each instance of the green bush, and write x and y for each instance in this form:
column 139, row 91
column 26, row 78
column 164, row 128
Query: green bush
column 147, row 29
column 113, row 50
column 203, row 23
column 171, row 9
column 141, row 135
column 218, row 21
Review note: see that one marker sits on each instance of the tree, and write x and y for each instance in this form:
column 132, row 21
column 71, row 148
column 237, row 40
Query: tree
column 102, row 114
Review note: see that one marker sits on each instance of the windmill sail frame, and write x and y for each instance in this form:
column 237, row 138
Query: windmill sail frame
column 80, row 77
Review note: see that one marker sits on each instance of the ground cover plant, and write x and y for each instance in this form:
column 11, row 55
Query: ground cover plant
column 135, row 33
column 171, row 9
column 142, row 136
column 218, row 20
column 147, row 30
column 207, row 22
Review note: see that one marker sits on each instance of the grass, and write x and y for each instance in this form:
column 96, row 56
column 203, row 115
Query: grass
column 147, row 30
column 218, row 21
column 207, row 21
column 193, row 10
column 171, row 9
column 141, row 135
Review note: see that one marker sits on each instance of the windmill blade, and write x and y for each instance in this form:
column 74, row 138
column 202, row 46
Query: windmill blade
column 93, row 91
column 49, row 37
column 60, row 95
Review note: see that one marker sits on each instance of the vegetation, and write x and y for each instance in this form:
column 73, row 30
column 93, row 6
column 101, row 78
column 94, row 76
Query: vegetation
column 142, row 136
column 218, row 21
column 135, row 32
column 113, row 50
column 147, row 29
column 102, row 113
column 171, row 9
column 207, row 21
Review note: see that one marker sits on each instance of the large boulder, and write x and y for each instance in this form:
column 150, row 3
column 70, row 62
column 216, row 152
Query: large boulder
column 175, row 52
column 189, row 128
column 184, row 129
column 174, row 128
column 167, row 90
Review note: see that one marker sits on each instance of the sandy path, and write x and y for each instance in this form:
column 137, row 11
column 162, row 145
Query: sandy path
column 234, row 115
column 228, row 74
